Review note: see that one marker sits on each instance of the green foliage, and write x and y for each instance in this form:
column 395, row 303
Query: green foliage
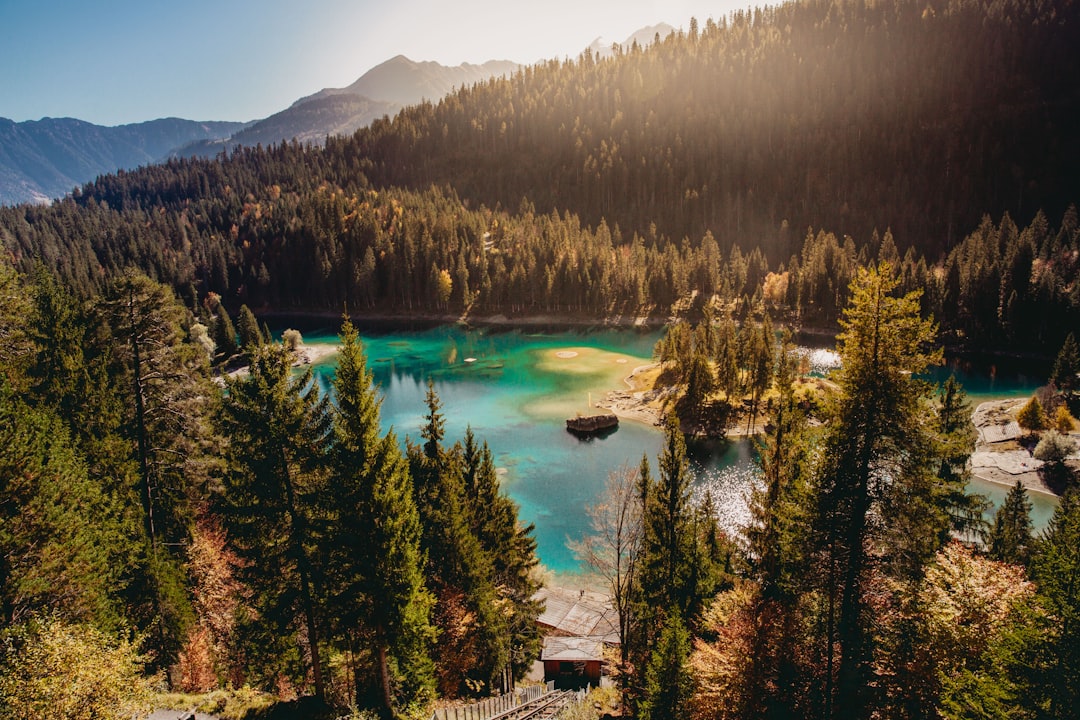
column 374, row 562
column 1010, row 538
column 53, row 670
column 278, row 428
column 878, row 492
column 668, row 682
column 1054, row 447
column 251, row 335
column 62, row 543
column 1066, row 366
column 473, row 648
column 225, row 333
column 1055, row 568
column 668, row 541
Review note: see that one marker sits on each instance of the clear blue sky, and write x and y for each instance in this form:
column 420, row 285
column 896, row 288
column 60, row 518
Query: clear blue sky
column 118, row 61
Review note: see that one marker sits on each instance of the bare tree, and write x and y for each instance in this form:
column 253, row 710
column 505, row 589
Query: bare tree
column 612, row 550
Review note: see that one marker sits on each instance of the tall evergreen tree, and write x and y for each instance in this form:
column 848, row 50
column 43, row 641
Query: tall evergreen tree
column 472, row 651
column 875, row 469
column 957, row 440
column 668, row 682
column 225, row 333
column 1066, row 368
column 63, row 541
column 164, row 388
column 511, row 548
column 668, row 539
column 277, row 427
column 1010, row 537
column 374, row 563
column 251, row 335
column 1055, row 569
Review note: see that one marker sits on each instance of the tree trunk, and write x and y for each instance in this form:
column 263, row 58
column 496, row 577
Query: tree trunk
column 384, row 680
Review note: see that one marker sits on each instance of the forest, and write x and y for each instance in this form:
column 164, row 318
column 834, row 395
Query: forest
column 899, row 173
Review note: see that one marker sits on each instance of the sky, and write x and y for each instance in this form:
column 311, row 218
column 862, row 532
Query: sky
column 112, row 62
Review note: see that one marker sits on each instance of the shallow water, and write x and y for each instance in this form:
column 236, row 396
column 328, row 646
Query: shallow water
column 517, row 387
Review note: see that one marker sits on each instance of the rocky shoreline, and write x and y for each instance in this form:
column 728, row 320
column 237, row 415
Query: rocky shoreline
column 999, row 455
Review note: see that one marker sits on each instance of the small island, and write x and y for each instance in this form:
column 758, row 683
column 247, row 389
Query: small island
column 592, row 424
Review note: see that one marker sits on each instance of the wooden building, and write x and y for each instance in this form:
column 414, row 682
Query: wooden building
column 573, row 662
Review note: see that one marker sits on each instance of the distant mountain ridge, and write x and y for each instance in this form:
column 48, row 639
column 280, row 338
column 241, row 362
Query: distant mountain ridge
column 383, row 90
column 44, row 159
column 407, row 82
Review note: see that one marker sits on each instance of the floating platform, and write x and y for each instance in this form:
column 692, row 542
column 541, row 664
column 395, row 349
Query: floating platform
column 592, row 424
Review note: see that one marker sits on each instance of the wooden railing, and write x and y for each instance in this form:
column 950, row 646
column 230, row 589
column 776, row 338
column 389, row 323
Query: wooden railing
column 492, row 708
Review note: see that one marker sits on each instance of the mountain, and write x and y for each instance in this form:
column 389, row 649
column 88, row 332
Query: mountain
column 643, row 37
column 309, row 122
column 383, row 90
column 407, row 82
column 44, row 159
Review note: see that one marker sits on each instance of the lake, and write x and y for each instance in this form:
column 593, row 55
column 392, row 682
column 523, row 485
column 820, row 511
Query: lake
column 516, row 387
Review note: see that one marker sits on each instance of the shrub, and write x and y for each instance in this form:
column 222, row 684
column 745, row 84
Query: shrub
column 292, row 339
column 1054, row 447
column 52, row 670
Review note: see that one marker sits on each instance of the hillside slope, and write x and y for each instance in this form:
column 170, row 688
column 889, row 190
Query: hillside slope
column 44, row 159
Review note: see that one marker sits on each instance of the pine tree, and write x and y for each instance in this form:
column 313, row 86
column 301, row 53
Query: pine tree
column 876, row 463
column 668, row 539
column 374, row 561
column 1032, row 417
column 777, row 542
column 251, row 336
column 1010, row 538
column 163, row 386
column 1067, row 366
column 277, row 427
column 225, row 334
column 1055, row 569
column 957, row 440
column 668, row 682
column 511, row 548
column 473, row 649
column 64, row 543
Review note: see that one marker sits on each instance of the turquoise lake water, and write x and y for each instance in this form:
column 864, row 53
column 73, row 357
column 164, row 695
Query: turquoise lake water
column 517, row 387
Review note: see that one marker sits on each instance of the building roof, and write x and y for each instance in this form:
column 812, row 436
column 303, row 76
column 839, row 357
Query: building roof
column 578, row 614
column 573, row 649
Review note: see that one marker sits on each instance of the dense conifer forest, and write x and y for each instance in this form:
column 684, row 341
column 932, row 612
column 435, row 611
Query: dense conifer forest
column 899, row 172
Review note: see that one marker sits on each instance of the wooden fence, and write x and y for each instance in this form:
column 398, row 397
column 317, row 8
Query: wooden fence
column 493, row 707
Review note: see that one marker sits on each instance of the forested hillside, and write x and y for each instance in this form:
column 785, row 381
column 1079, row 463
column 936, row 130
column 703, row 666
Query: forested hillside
column 919, row 116
column 851, row 165
column 697, row 165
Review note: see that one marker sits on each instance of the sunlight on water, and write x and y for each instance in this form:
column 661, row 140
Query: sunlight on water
column 822, row 360
column 516, row 389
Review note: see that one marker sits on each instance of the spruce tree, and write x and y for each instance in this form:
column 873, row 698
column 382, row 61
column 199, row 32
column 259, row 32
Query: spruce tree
column 957, row 441
column 1067, row 366
column 473, row 650
column 251, row 336
column 876, row 470
column 1055, row 569
column 668, row 538
column 374, row 561
column 511, row 548
column 668, row 681
column 225, row 334
column 1010, row 538
column 277, row 427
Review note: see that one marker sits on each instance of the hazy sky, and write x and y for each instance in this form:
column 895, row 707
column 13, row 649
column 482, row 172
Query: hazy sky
column 119, row 61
